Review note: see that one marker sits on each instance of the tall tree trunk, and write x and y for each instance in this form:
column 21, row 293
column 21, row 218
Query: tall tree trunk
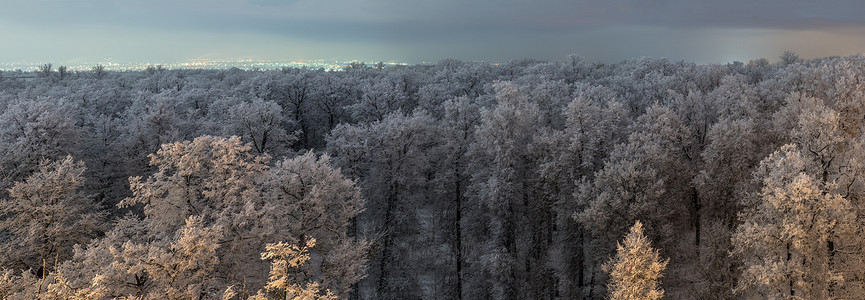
column 581, row 264
column 388, row 241
column 789, row 258
column 459, row 232
column 695, row 200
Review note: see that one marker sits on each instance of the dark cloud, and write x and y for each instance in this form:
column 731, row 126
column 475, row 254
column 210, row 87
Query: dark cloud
column 408, row 29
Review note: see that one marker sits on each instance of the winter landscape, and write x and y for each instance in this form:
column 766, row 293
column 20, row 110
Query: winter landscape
column 615, row 173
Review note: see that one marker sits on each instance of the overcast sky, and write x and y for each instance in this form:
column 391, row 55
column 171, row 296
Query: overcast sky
column 79, row 31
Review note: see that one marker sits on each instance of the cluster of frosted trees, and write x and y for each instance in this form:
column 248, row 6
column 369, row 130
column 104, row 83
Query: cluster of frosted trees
column 526, row 180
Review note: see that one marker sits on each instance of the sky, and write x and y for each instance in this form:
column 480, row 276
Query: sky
column 413, row 31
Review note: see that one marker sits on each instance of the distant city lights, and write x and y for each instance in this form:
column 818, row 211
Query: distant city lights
column 243, row 64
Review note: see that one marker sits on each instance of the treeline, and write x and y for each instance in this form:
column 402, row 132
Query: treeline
column 454, row 180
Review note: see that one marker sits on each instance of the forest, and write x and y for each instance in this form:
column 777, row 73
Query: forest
column 644, row 179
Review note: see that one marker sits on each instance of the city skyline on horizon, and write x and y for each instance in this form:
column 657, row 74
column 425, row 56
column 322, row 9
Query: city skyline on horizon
column 268, row 63
column 196, row 63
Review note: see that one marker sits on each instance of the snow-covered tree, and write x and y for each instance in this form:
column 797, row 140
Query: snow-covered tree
column 789, row 232
column 214, row 178
column 457, row 128
column 392, row 159
column 642, row 179
column 151, row 120
column 32, row 130
column 636, row 270
column 380, row 97
column 262, row 124
column 286, row 260
column 209, row 176
column 45, row 215
column 307, row 197
column 180, row 266
column 595, row 122
column 518, row 219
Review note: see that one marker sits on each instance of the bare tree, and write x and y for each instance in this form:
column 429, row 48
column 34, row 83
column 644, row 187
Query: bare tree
column 63, row 71
column 45, row 70
column 789, row 58
column 99, row 71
